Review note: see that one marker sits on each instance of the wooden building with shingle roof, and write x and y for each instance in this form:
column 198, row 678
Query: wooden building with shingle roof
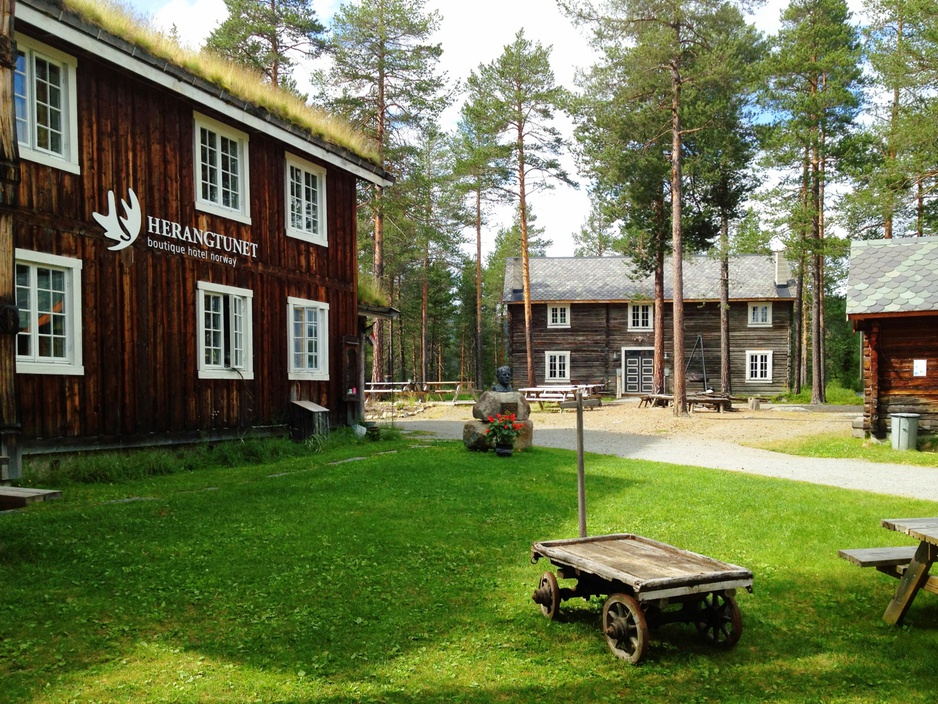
column 892, row 299
column 593, row 322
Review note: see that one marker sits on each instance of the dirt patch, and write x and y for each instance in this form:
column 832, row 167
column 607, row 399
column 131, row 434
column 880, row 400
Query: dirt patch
column 741, row 426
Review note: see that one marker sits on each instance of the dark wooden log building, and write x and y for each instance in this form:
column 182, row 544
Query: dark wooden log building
column 892, row 299
column 185, row 260
column 593, row 323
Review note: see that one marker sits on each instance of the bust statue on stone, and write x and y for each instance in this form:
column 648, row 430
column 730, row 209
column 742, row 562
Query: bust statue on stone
column 504, row 380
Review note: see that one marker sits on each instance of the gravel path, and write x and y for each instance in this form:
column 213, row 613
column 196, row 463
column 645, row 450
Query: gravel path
column 896, row 479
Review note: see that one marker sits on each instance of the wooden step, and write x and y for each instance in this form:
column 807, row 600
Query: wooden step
column 18, row 497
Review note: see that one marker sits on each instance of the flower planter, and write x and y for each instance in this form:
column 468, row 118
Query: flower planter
column 504, row 449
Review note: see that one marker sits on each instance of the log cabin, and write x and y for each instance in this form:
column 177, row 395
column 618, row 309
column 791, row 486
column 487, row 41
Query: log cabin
column 593, row 323
column 185, row 256
column 892, row 299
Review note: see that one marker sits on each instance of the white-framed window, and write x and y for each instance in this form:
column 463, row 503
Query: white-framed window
column 45, row 97
column 308, row 326
column 48, row 295
column 306, row 201
column 641, row 316
column 226, row 332
column 221, row 170
column 759, row 366
column 760, row 315
column 558, row 315
column 556, row 366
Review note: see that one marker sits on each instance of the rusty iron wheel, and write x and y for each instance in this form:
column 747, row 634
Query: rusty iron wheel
column 719, row 620
column 625, row 628
column 547, row 595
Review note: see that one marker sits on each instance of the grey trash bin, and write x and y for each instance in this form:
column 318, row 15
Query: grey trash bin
column 904, row 430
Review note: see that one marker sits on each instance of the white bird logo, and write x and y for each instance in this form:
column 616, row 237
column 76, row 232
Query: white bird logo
column 123, row 230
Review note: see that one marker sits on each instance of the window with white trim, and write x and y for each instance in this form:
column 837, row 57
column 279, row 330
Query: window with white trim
column 306, row 201
column 308, row 325
column 558, row 316
column 221, row 170
column 759, row 366
column 556, row 366
column 760, row 315
column 48, row 295
column 641, row 316
column 45, row 98
column 226, row 332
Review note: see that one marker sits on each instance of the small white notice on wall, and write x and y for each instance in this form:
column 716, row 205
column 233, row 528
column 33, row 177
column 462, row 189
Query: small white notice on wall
column 918, row 367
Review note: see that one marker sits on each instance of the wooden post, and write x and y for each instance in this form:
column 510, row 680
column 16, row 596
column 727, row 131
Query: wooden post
column 9, row 182
column 580, row 469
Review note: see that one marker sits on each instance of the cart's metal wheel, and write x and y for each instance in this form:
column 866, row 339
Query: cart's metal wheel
column 719, row 620
column 625, row 628
column 547, row 595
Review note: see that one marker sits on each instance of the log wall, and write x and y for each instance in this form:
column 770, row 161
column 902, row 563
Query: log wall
column 890, row 345
column 599, row 331
column 139, row 304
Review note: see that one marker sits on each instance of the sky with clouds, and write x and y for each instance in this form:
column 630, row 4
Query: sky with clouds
column 470, row 34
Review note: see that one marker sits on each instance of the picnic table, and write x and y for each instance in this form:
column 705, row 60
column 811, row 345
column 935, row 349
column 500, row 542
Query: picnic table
column 562, row 394
column 717, row 402
column 649, row 583
column 389, row 389
column 909, row 563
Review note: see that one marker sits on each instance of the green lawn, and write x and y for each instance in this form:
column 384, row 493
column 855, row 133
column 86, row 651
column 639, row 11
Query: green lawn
column 841, row 446
column 402, row 575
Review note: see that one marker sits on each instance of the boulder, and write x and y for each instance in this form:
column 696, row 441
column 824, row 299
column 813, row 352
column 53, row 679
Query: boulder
column 493, row 403
column 474, row 436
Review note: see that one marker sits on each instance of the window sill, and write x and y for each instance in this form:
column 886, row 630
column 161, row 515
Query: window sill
column 307, row 376
column 56, row 162
column 212, row 209
column 52, row 369
column 225, row 374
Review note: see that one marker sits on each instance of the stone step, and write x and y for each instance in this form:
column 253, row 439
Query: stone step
column 17, row 497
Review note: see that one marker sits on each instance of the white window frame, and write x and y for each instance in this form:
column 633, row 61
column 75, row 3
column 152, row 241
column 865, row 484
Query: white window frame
column 636, row 307
column 229, row 332
column 750, row 354
column 67, row 159
column 71, row 362
column 558, row 315
column 318, row 235
column 215, row 206
column 300, row 373
column 760, row 314
column 559, row 355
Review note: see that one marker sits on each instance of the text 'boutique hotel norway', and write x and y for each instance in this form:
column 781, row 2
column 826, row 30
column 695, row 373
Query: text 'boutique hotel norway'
column 185, row 258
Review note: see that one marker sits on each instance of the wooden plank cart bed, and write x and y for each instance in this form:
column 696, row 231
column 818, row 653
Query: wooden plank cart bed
column 649, row 584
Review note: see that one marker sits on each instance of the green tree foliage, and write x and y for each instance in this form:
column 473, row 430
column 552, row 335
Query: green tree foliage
column 481, row 169
column 812, row 89
column 268, row 35
column 599, row 235
column 384, row 79
column 667, row 71
column 518, row 96
column 896, row 174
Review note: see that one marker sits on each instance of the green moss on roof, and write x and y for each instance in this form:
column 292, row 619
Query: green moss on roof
column 120, row 21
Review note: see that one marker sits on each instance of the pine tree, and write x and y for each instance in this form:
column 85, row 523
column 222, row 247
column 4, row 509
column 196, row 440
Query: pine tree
column 518, row 96
column 268, row 36
column 384, row 79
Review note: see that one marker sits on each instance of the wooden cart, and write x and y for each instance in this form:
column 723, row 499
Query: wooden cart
column 648, row 583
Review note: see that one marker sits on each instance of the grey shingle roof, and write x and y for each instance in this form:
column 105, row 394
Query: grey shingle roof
column 893, row 276
column 752, row 277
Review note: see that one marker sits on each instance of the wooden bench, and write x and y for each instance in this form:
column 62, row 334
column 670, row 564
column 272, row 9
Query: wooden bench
column 587, row 403
column 892, row 561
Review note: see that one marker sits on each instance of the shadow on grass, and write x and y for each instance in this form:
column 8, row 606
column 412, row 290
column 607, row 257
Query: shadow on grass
column 406, row 577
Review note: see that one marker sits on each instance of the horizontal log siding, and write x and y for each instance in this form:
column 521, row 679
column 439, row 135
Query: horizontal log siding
column 902, row 340
column 139, row 304
column 599, row 331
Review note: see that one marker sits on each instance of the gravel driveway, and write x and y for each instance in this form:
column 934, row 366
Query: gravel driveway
column 895, row 479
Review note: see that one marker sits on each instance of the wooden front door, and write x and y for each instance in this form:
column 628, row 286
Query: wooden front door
column 638, row 371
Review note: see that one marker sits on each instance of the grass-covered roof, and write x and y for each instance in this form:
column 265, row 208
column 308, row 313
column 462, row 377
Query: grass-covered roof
column 240, row 82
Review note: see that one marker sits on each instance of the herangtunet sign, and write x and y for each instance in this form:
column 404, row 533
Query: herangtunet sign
column 169, row 235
